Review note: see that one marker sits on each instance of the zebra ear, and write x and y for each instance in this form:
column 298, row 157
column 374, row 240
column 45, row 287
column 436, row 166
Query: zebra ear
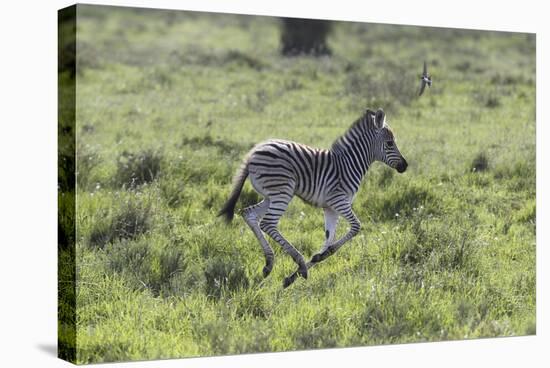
column 379, row 118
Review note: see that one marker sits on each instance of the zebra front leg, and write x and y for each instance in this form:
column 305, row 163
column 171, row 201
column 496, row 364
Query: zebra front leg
column 331, row 220
column 346, row 212
column 252, row 216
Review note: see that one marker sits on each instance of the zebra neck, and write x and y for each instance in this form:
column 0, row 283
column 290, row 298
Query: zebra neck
column 355, row 154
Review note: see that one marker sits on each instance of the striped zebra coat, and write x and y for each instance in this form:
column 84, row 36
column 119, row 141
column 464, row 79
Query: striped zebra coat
column 330, row 179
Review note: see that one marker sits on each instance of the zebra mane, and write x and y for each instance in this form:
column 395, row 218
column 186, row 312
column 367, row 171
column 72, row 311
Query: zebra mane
column 363, row 123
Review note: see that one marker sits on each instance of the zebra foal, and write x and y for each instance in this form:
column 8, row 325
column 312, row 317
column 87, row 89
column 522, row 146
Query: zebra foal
column 330, row 179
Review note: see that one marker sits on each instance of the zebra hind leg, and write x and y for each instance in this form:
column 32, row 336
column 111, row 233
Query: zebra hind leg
column 278, row 205
column 252, row 216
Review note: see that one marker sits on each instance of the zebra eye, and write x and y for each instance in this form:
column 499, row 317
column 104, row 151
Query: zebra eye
column 389, row 143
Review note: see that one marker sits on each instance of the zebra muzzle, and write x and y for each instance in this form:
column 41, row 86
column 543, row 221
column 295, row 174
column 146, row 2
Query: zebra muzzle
column 402, row 166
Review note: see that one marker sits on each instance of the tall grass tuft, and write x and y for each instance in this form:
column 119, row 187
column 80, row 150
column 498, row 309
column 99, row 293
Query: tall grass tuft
column 222, row 275
column 148, row 263
column 131, row 219
column 135, row 169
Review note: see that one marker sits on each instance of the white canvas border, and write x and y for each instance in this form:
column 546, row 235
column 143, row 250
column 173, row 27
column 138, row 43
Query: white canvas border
column 28, row 181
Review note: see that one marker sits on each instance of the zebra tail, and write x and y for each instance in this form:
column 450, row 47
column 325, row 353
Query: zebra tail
column 228, row 209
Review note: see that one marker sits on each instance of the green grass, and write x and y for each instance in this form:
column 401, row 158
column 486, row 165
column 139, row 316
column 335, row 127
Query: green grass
column 169, row 102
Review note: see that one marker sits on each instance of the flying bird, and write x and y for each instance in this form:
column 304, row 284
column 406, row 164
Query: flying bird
column 425, row 79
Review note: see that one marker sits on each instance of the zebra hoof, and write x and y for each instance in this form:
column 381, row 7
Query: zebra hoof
column 266, row 271
column 288, row 281
column 316, row 258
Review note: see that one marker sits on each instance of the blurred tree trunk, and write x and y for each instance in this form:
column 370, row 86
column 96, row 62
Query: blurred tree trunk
column 304, row 36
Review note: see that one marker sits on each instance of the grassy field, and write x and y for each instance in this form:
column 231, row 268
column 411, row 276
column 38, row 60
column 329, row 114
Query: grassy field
column 169, row 102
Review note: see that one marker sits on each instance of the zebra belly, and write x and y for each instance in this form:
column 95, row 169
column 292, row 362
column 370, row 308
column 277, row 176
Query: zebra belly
column 317, row 200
